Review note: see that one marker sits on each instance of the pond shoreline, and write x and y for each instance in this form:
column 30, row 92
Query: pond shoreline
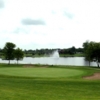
column 73, row 61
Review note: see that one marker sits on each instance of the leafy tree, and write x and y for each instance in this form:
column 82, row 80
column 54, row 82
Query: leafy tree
column 96, row 53
column 88, row 50
column 9, row 51
column 79, row 50
column 19, row 54
column 72, row 50
column 85, row 45
column 92, row 52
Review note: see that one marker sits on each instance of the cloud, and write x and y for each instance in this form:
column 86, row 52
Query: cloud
column 69, row 15
column 28, row 21
column 1, row 4
column 20, row 30
column 57, row 23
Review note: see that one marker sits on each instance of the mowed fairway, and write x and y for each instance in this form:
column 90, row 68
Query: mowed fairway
column 41, row 72
column 48, row 83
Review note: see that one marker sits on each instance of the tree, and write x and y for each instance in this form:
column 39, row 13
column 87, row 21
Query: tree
column 72, row 50
column 9, row 51
column 85, row 45
column 88, row 50
column 19, row 54
column 92, row 52
column 96, row 53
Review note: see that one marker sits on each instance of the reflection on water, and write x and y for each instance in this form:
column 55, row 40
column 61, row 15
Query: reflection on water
column 53, row 61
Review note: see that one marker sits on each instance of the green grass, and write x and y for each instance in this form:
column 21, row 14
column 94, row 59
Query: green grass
column 74, row 55
column 42, row 87
column 40, row 72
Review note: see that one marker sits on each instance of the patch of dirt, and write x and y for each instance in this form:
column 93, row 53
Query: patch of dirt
column 94, row 76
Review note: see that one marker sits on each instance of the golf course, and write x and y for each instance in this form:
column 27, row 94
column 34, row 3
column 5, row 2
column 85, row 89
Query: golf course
column 48, row 82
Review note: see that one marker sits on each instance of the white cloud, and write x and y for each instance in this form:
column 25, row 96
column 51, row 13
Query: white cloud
column 68, row 23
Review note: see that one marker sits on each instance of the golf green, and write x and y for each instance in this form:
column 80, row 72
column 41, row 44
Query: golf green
column 41, row 72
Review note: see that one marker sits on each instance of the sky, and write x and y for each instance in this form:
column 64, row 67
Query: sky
column 36, row 24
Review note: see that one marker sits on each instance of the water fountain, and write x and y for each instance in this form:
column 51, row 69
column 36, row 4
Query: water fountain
column 55, row 54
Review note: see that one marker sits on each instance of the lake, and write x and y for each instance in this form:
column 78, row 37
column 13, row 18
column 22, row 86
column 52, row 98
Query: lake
column 77, row 61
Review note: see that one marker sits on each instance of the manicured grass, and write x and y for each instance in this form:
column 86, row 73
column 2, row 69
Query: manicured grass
column 74, row 55
column 45, row 88
column 40, row 72
column 37, row 89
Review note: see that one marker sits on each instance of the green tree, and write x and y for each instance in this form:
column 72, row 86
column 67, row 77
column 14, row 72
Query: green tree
column 92, row 51
column 85, row 45
column 72, row 50
column 89, row 51
column 96, row 53
column 9, row 51
column 19, row 54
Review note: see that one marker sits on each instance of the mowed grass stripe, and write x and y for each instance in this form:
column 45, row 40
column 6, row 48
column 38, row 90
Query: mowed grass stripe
column 41, row 72
column 31, row 89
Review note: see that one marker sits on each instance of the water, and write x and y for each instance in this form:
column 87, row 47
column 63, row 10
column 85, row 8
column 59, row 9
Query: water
column 55, row 54
column 77, row 61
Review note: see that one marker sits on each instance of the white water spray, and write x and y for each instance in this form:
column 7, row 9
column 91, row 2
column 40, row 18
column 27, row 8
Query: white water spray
column 55, row 54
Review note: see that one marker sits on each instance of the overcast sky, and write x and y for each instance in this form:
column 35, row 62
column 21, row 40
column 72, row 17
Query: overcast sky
column 35, row 24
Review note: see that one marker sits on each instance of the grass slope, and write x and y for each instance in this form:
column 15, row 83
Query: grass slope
column 73, row 88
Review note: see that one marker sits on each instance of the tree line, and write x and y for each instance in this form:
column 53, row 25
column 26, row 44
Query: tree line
column 10, row 53
column 46, row 52
column 42, row 52
column 90, row 49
